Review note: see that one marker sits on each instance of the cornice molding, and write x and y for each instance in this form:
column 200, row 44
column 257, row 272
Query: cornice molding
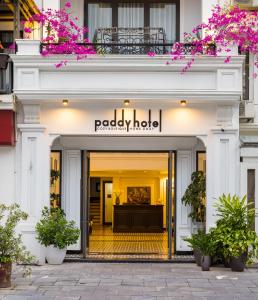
column 201, row 96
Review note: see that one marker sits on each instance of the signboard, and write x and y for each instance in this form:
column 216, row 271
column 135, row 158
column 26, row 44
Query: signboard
column 131, row 121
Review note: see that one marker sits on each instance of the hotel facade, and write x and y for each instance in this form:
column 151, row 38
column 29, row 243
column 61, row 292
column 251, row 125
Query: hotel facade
column 113, row 139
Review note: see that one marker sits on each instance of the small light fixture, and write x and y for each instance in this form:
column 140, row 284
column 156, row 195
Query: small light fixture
column 183, row 102
column 65, row 102
column 126, row 102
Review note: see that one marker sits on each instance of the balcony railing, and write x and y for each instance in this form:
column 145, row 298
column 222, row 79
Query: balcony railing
column 6, row 74
column 117, row 40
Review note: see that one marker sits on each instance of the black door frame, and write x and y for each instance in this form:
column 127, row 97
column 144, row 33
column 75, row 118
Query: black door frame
column 85, row 205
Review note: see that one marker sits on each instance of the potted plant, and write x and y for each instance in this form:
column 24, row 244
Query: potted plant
column 207, row 248
column 11, row 248
column 195, row 242
column 56, row 233
column 195, row 196
column 235, row 232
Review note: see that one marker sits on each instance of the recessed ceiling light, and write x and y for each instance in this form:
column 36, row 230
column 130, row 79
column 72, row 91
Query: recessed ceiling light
column 65, row 102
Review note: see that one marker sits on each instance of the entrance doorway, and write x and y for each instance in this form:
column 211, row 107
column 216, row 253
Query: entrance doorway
column 135, row 192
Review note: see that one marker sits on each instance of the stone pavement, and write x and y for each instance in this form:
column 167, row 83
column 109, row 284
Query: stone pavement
column 135, row 281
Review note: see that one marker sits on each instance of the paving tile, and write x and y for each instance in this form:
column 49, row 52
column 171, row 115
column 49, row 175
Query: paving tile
column 100, row 281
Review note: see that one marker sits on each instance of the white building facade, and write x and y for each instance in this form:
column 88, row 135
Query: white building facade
column 155, row 121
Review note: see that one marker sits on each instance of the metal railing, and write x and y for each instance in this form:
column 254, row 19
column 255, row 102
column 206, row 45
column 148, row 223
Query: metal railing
column 6, row 74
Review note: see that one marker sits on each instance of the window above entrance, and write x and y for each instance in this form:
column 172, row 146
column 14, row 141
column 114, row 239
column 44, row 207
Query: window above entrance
column 132, row 27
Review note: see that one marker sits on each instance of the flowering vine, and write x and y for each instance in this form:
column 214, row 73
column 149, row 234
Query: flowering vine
column 226, row 27
column 62, row 34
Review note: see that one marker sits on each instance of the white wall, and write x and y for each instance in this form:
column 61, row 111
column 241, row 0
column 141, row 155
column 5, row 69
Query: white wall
column 7, row 175
column 190, row 15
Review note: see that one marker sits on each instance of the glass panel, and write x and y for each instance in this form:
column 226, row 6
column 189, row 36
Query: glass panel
column 251, row 190
column 55, row 179
column 201, row 162
column 130, row 15
column 163, row 15
column 99, row 16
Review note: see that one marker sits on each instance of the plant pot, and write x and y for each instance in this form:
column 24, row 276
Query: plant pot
column 198, row 256
column 230, row 50
column 237, row 264
column 55, row 256
column 226, row 262
column 206, row 263
column 5, row 275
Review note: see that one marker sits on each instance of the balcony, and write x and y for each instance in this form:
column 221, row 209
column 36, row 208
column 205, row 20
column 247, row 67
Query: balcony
column 117, row 40
column 5, row 74
column 132, row 41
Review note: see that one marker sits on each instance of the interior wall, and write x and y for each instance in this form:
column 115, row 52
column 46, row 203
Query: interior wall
column 121, row 182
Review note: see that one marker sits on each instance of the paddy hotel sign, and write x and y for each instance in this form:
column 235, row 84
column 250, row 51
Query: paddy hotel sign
column 133, row 123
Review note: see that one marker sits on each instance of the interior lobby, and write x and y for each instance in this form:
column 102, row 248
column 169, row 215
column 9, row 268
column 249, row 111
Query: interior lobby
column 128, row 204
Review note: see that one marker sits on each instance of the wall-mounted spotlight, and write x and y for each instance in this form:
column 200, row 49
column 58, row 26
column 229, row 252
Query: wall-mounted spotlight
column 183, row 102
column 65, row 102
column 126, row 102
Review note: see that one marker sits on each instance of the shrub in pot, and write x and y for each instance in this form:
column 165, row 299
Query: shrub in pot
column 195, row 242
column 207, row 248
column 195, row 196
column 12, row 249
column 56, row 233
column 234, row 231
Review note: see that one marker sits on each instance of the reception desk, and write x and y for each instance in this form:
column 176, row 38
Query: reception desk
column 138, row 218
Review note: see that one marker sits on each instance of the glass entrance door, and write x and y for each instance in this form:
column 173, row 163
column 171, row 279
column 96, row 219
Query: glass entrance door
column 137, row 192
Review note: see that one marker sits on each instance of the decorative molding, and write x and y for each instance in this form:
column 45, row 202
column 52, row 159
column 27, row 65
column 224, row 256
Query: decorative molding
column 82, row 95
column 31, row 114
column 203, row 138
column 31, row 127
column 52, row 138
column 225, row 130
column 224, row 115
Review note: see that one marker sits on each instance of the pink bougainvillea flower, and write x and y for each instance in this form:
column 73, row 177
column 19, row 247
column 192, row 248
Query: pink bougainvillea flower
column 226, row 27
column 63, row 35
column 151, row 54
column 68, row 4
column 27, row 30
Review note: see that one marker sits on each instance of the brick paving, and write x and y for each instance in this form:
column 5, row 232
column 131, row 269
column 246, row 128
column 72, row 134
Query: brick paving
column 135, row 281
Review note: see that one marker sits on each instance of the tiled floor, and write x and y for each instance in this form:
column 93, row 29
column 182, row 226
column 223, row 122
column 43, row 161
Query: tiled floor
column 103, row 242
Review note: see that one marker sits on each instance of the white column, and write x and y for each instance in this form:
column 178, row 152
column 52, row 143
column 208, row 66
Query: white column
column 183, row 222
column 207, row 6
column 71, row 199
column 253, row 85
column 223, row 168
column 33, row 176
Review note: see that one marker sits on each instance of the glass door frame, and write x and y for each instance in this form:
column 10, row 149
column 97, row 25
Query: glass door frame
column 85, row 203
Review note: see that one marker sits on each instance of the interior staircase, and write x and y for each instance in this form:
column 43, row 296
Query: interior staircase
column 95, row 212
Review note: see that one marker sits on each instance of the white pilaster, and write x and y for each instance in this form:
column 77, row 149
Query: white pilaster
column 223, row 168
column 71, row 197
column 183, row 222
column 33, row 178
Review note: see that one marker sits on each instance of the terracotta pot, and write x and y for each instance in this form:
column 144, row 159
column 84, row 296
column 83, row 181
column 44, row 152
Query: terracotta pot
column 5, row 275
column 237, row 264
column 206, row 263
column 198, row 257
